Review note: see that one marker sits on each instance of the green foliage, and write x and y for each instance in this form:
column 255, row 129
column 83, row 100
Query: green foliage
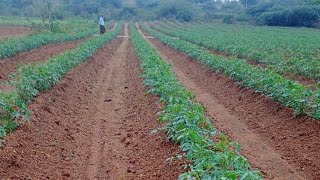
column 13, row 46
column 111, row 9
column 184, row 10
column 179, row 10
column 34, row 78
column 3, row 131
column 13, row 7
column 112, row 3
column 187, row 125
column 295, row 17
column 8, row 104
column 14, row 21
column 222, row 10
column 229, row 19
column 244, row 18
column 248, row 3
column 127, row 13
column 147, row 4
column 286, row 50
column 286, row 13
column 289, row 93
column 316, row 2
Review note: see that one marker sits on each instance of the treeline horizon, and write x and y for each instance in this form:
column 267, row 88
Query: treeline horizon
column 262, row 12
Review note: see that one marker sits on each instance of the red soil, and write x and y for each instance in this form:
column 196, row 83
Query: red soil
column 94, row 124
column 306, row 81
column 282, row 146
column 9, row 65
column 7, row 32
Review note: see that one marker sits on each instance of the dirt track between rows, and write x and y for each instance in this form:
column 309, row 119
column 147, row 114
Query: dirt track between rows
column 7, row 32
column 94, row 124
column 282, row 146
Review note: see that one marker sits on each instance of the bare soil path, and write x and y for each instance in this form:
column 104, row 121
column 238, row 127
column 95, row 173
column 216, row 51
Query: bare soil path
column 7, row 32
column 282, row 146
column 94, row 124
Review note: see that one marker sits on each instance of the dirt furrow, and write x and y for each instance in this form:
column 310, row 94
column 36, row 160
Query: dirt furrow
column 306, row 81
column 9, row 65
column 55, row 142
column 282, row 146
column 94, row 124
column 105, row 114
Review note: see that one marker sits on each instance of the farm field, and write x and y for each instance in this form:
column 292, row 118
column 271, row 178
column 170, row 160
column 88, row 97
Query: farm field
column 292, row 52
column 9, row 65
column 303, row 99
column 7, row 32
column 162, row 101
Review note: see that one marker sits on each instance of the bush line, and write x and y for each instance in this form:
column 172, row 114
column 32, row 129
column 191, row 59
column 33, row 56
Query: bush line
column 186, row 123
column 34, row 78
column 289, row 93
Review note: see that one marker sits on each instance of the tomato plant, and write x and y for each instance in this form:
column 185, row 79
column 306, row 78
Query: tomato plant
column 266, row 81
column 285, row 50
column 31, row 79
column 186, row 123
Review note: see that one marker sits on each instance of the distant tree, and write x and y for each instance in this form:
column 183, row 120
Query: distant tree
column 46, row 10
column 233, row 6
column 179, row 9
column 20, row 4
column 147, row 3
column 127, row 13
column 286, row 12
column 316, row 2
column 292, row 16
column 112, row 3
column 200, row 1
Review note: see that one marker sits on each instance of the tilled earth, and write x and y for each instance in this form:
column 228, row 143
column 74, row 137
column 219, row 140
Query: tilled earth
column 94, row 124
column 280, row 145
column 9, row 65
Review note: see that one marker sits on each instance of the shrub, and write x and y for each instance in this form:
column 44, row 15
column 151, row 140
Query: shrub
column 229, row 19
column 295, row 16
column 184, row 16
column 127, row 13
column 244, row 18
column 176, row 10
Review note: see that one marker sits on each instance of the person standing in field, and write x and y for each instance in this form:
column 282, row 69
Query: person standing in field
column 101, row 25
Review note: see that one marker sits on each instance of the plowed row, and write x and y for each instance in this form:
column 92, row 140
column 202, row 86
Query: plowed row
column 96, row 124
column 9, row 65
column 282, row 146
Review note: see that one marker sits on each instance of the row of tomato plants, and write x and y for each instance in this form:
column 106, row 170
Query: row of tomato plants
column 289, row 93
column 16, row 45
column 32, row 79
column 186, row 123
column 281, row 52
column 294, row 42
